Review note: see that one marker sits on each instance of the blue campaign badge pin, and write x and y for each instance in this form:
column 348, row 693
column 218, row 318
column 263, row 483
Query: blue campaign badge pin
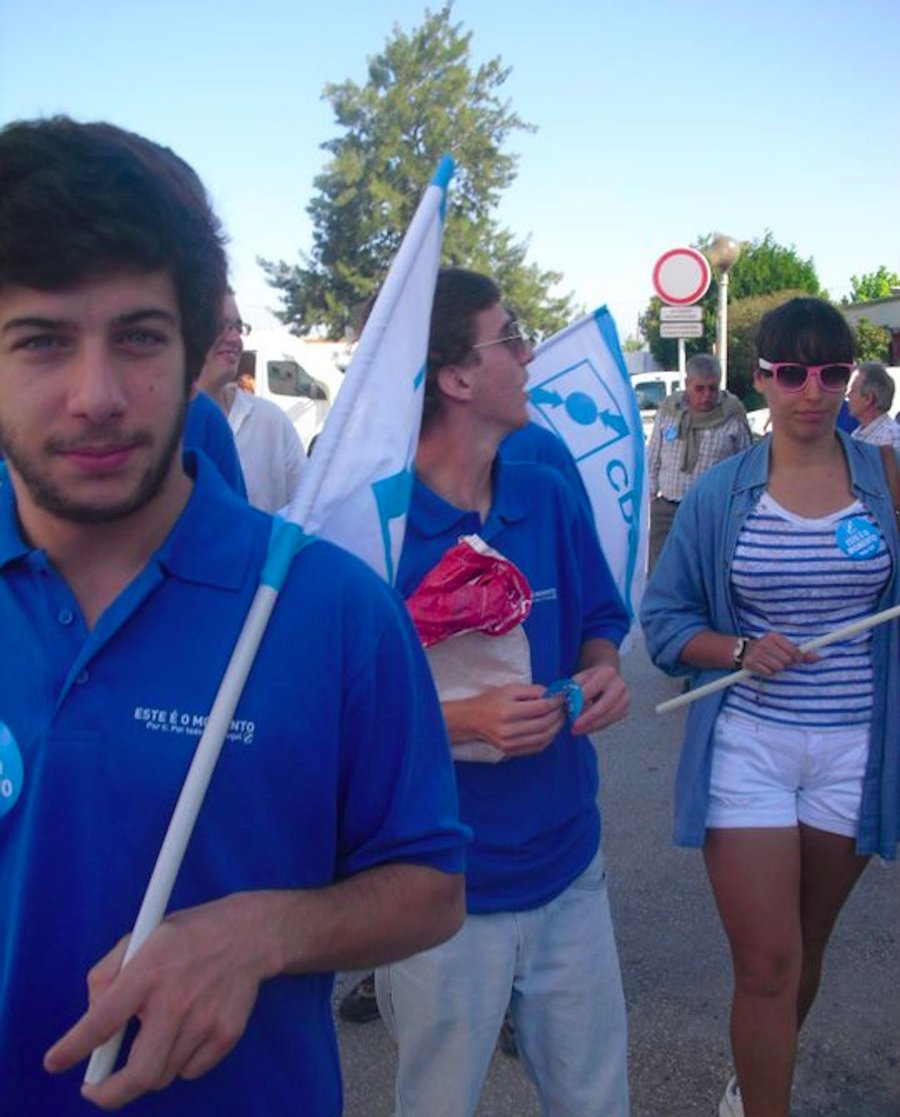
column 574, row 696
column 12, row 771
column 857, row 538
column 671, row 434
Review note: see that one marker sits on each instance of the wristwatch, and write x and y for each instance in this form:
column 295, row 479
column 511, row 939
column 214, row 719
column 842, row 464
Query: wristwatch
column 740, row 650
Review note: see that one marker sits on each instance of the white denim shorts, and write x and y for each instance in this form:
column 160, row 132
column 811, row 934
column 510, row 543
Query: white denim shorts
column 771, row 775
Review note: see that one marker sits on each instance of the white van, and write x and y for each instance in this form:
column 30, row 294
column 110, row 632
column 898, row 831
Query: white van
column 301, row 376
column 651, row 388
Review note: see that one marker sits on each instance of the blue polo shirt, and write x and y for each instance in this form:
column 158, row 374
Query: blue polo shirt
column 534, row 443
column 207, row 429
column 336, row 761
column 535, row 819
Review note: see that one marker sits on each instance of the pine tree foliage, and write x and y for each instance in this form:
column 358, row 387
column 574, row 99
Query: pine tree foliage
column 424, row 97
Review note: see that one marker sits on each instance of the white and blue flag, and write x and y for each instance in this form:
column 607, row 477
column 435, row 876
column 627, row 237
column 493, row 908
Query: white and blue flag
column 355, row 491
column 578, row 387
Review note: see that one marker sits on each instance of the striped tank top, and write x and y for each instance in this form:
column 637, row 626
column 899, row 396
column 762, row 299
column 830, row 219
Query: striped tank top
column 803, row 578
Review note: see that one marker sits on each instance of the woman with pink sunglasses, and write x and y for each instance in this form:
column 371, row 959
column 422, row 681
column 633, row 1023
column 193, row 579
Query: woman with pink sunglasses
column 789, row 779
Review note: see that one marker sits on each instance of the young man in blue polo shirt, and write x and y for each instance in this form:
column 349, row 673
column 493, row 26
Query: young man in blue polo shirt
column 538, row 929
column 329, row 837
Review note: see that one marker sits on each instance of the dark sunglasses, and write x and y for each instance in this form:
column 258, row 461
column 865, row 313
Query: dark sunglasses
column 792, row 377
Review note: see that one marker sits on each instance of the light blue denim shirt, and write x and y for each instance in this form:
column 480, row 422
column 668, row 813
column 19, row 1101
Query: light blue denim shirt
column 690, row 591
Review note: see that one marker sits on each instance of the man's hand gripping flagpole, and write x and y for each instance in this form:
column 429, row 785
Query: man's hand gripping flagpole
column 350, row 473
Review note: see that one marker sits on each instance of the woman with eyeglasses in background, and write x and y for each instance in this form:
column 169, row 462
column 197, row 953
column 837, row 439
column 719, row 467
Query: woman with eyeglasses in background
column 790, row 778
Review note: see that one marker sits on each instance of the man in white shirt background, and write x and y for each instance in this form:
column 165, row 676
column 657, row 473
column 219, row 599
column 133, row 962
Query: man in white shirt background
column 271, row 453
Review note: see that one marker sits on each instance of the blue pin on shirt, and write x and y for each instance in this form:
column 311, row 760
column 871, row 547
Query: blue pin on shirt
column 12, row 771
column 858, row 538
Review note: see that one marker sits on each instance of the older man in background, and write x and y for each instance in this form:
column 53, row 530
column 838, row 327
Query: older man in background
column 694, row 429
column 869, row 399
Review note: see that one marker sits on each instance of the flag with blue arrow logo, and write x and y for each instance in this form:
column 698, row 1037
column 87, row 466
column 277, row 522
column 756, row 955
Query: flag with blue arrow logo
column 578, row 387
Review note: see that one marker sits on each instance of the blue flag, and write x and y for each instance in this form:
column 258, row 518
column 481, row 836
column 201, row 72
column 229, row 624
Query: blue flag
column 578, row 387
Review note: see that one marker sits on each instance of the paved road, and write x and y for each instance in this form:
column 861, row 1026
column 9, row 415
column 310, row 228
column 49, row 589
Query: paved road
column 675, row 963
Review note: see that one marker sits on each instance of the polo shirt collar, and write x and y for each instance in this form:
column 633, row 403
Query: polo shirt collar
column 202, row 547
column 12, row 545
column 433, row 516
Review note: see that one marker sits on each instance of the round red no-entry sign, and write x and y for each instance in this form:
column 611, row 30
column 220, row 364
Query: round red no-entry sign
column 681, row 276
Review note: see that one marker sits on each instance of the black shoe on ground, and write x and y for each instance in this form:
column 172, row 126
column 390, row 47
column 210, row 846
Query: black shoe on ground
column 359, row 1005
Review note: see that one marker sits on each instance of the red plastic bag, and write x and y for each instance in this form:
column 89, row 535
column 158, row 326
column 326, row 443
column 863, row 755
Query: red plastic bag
column 472, row 589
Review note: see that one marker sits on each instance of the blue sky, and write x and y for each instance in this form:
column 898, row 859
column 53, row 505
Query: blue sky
column 657, row 121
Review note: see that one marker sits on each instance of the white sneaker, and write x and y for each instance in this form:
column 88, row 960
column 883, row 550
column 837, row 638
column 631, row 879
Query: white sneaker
column 731, row 1104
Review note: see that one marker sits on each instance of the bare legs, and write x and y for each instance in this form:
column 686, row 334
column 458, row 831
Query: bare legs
column 779, row 892
column 834, row 867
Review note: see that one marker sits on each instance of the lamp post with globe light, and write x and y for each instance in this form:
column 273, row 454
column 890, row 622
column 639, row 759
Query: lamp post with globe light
column 722, row 254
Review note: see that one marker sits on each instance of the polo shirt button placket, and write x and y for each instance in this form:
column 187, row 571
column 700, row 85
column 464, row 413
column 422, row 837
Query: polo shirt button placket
column 66, row 616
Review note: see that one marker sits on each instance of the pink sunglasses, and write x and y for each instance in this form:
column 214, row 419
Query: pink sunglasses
column 792, row 377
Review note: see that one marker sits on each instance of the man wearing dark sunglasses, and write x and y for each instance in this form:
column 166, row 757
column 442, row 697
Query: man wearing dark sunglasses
column 694, row 430
column 538, row 936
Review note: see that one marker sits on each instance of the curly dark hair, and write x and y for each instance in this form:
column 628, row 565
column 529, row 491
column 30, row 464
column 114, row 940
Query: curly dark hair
column 79, row 200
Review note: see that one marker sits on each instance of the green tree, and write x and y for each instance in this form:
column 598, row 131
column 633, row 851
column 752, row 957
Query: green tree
column 424, row 97
column 764, row 268
column 872, row 285
column 743, row 318
column 873, row 343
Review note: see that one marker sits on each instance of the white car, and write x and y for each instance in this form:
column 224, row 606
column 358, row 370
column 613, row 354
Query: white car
column 302, row 377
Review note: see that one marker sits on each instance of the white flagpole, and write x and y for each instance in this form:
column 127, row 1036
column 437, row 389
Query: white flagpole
column 287, row 538
column 810, row 646
column 193, row 791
